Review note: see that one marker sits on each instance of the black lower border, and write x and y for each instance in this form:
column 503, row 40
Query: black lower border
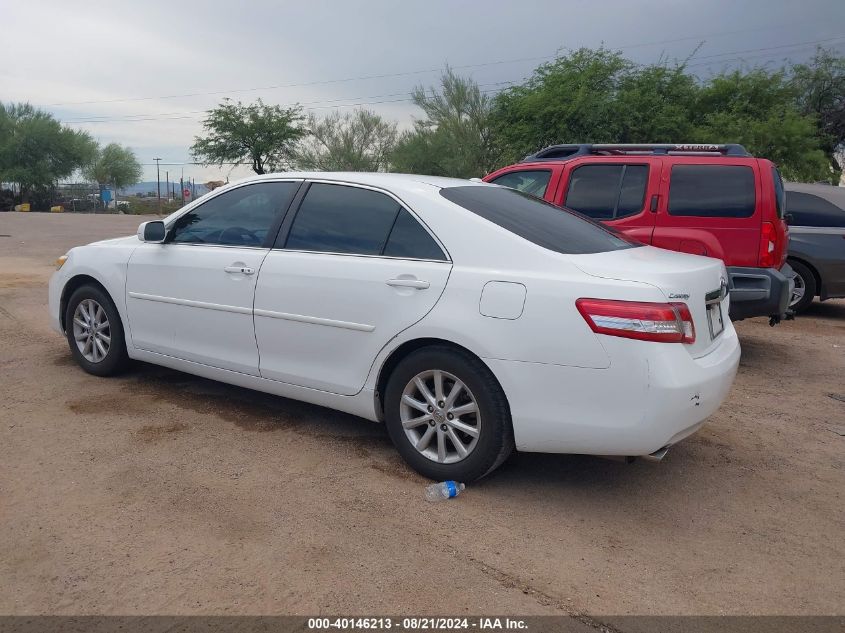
column 515, row 624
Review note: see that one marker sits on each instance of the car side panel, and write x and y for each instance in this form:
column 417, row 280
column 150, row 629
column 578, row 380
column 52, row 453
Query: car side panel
column 105, row 262
column 824, row 249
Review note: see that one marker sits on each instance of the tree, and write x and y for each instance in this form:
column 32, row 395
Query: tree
column 569, row 100
column 820, row 92
column 455, row 138
column 115, row 165
column 598, row 96
column 357, row 141
column 757, row 109
column 262, row 135
column 36, row 150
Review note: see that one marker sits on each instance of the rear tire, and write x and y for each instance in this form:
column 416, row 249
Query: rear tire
column 94, row 332
column 805, row 287
column 472, row 412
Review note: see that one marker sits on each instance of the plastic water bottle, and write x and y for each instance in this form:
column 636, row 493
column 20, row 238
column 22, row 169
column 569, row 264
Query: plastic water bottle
column 443, row 490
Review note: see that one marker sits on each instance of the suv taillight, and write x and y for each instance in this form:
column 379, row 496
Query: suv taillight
column 769, row 255
column 660, row 322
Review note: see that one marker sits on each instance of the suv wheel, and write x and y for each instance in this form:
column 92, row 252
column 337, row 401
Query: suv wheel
column 805, row 287
column 94, row 332
column 447, row 415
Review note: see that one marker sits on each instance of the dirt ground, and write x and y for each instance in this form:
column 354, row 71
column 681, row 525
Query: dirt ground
column 161, row 493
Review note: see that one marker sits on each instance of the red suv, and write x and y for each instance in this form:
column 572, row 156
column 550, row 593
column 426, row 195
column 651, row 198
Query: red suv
column 714, row 200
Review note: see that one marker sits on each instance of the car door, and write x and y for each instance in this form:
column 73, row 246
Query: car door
column 351, row 269
column 621, row 194
column 191, row 297
column 711, row 208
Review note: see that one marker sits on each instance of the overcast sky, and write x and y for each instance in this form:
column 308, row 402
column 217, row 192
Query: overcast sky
column 142, row 73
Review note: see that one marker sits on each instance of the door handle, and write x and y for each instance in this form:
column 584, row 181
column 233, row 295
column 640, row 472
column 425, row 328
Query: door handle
column 653, row 206
column 408, row 283
column 241, row 270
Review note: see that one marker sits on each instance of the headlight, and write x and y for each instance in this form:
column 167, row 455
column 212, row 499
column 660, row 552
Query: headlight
column 61, row 261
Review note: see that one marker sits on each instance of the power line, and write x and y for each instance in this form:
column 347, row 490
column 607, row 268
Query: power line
column 344, row 105
column 191, row 114
column 391, row 75
column 130, row 117
column 772, row 48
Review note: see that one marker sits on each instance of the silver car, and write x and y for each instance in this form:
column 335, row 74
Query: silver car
column 816, row 215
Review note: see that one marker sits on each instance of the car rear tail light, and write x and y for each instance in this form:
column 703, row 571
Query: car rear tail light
column 768, row 246
column 660, row 322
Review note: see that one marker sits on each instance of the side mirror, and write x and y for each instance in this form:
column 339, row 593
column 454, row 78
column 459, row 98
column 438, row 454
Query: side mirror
column 153, row 232
column 789, row 219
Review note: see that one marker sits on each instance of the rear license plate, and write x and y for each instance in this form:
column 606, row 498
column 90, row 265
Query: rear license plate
column 714, row 319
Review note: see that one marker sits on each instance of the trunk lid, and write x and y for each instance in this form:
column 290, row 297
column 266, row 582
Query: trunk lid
column 700, row 282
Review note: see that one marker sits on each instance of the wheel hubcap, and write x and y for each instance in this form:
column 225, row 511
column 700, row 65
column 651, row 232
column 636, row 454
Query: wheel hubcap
column 798, row 292
column 91, row 330
column 440, row 416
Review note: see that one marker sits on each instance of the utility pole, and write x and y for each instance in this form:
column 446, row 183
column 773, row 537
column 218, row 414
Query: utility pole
column 158, row 183
column 167, row 189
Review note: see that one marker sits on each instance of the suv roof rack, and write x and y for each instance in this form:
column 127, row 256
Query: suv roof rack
column 565, row 152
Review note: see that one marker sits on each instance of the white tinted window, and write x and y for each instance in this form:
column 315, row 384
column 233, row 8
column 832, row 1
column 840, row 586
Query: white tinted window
column 240, row 217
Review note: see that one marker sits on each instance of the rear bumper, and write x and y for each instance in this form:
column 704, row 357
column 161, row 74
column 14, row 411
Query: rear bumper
column 759, row 291
column 653, row 395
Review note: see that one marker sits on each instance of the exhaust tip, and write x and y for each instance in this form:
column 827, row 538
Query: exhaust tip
column 657, row 455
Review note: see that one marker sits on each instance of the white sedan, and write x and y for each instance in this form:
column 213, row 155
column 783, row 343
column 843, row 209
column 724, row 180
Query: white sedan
column 470, row 318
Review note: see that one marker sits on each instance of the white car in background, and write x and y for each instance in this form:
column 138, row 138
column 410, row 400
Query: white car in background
column 469, row 317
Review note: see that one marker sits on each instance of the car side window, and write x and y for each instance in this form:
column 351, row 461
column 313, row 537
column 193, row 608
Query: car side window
column 352, row 220
column 239, row 217
column 807, row 209
column 409, row 239
column 534, row 182
column 607, row 192
column 712, row 191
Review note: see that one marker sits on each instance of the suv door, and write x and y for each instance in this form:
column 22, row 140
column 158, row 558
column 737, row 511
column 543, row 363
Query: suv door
column 711, row 208
column 350, row 270
column 621, row 193
column 191, row 297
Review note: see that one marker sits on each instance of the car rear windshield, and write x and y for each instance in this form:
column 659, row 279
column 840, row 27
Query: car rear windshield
column 545, row 224
column 806, row 209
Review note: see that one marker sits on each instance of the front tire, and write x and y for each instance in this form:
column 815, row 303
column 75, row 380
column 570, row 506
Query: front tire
column 94, row 332
column 447, row 415
column 805, row 287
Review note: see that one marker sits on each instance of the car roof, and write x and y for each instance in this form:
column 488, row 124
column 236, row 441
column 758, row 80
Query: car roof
column 389, row 181
column 831, row 193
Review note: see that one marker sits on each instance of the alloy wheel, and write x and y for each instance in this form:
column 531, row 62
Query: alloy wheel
column 798, row 291
column 440, row 416
column 91, row 330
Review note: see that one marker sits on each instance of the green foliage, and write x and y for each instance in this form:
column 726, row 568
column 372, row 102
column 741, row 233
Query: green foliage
column 820, row 93
column 357, row 141
column 757, row 109
column 115, row 165
column 793, row 118
column 570, row 100
column 455, row 138
column 264, row 136
column 36, row 150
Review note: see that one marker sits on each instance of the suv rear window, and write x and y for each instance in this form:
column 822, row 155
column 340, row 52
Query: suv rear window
column 530, row 218
column 712, row 191
column 809, row 210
